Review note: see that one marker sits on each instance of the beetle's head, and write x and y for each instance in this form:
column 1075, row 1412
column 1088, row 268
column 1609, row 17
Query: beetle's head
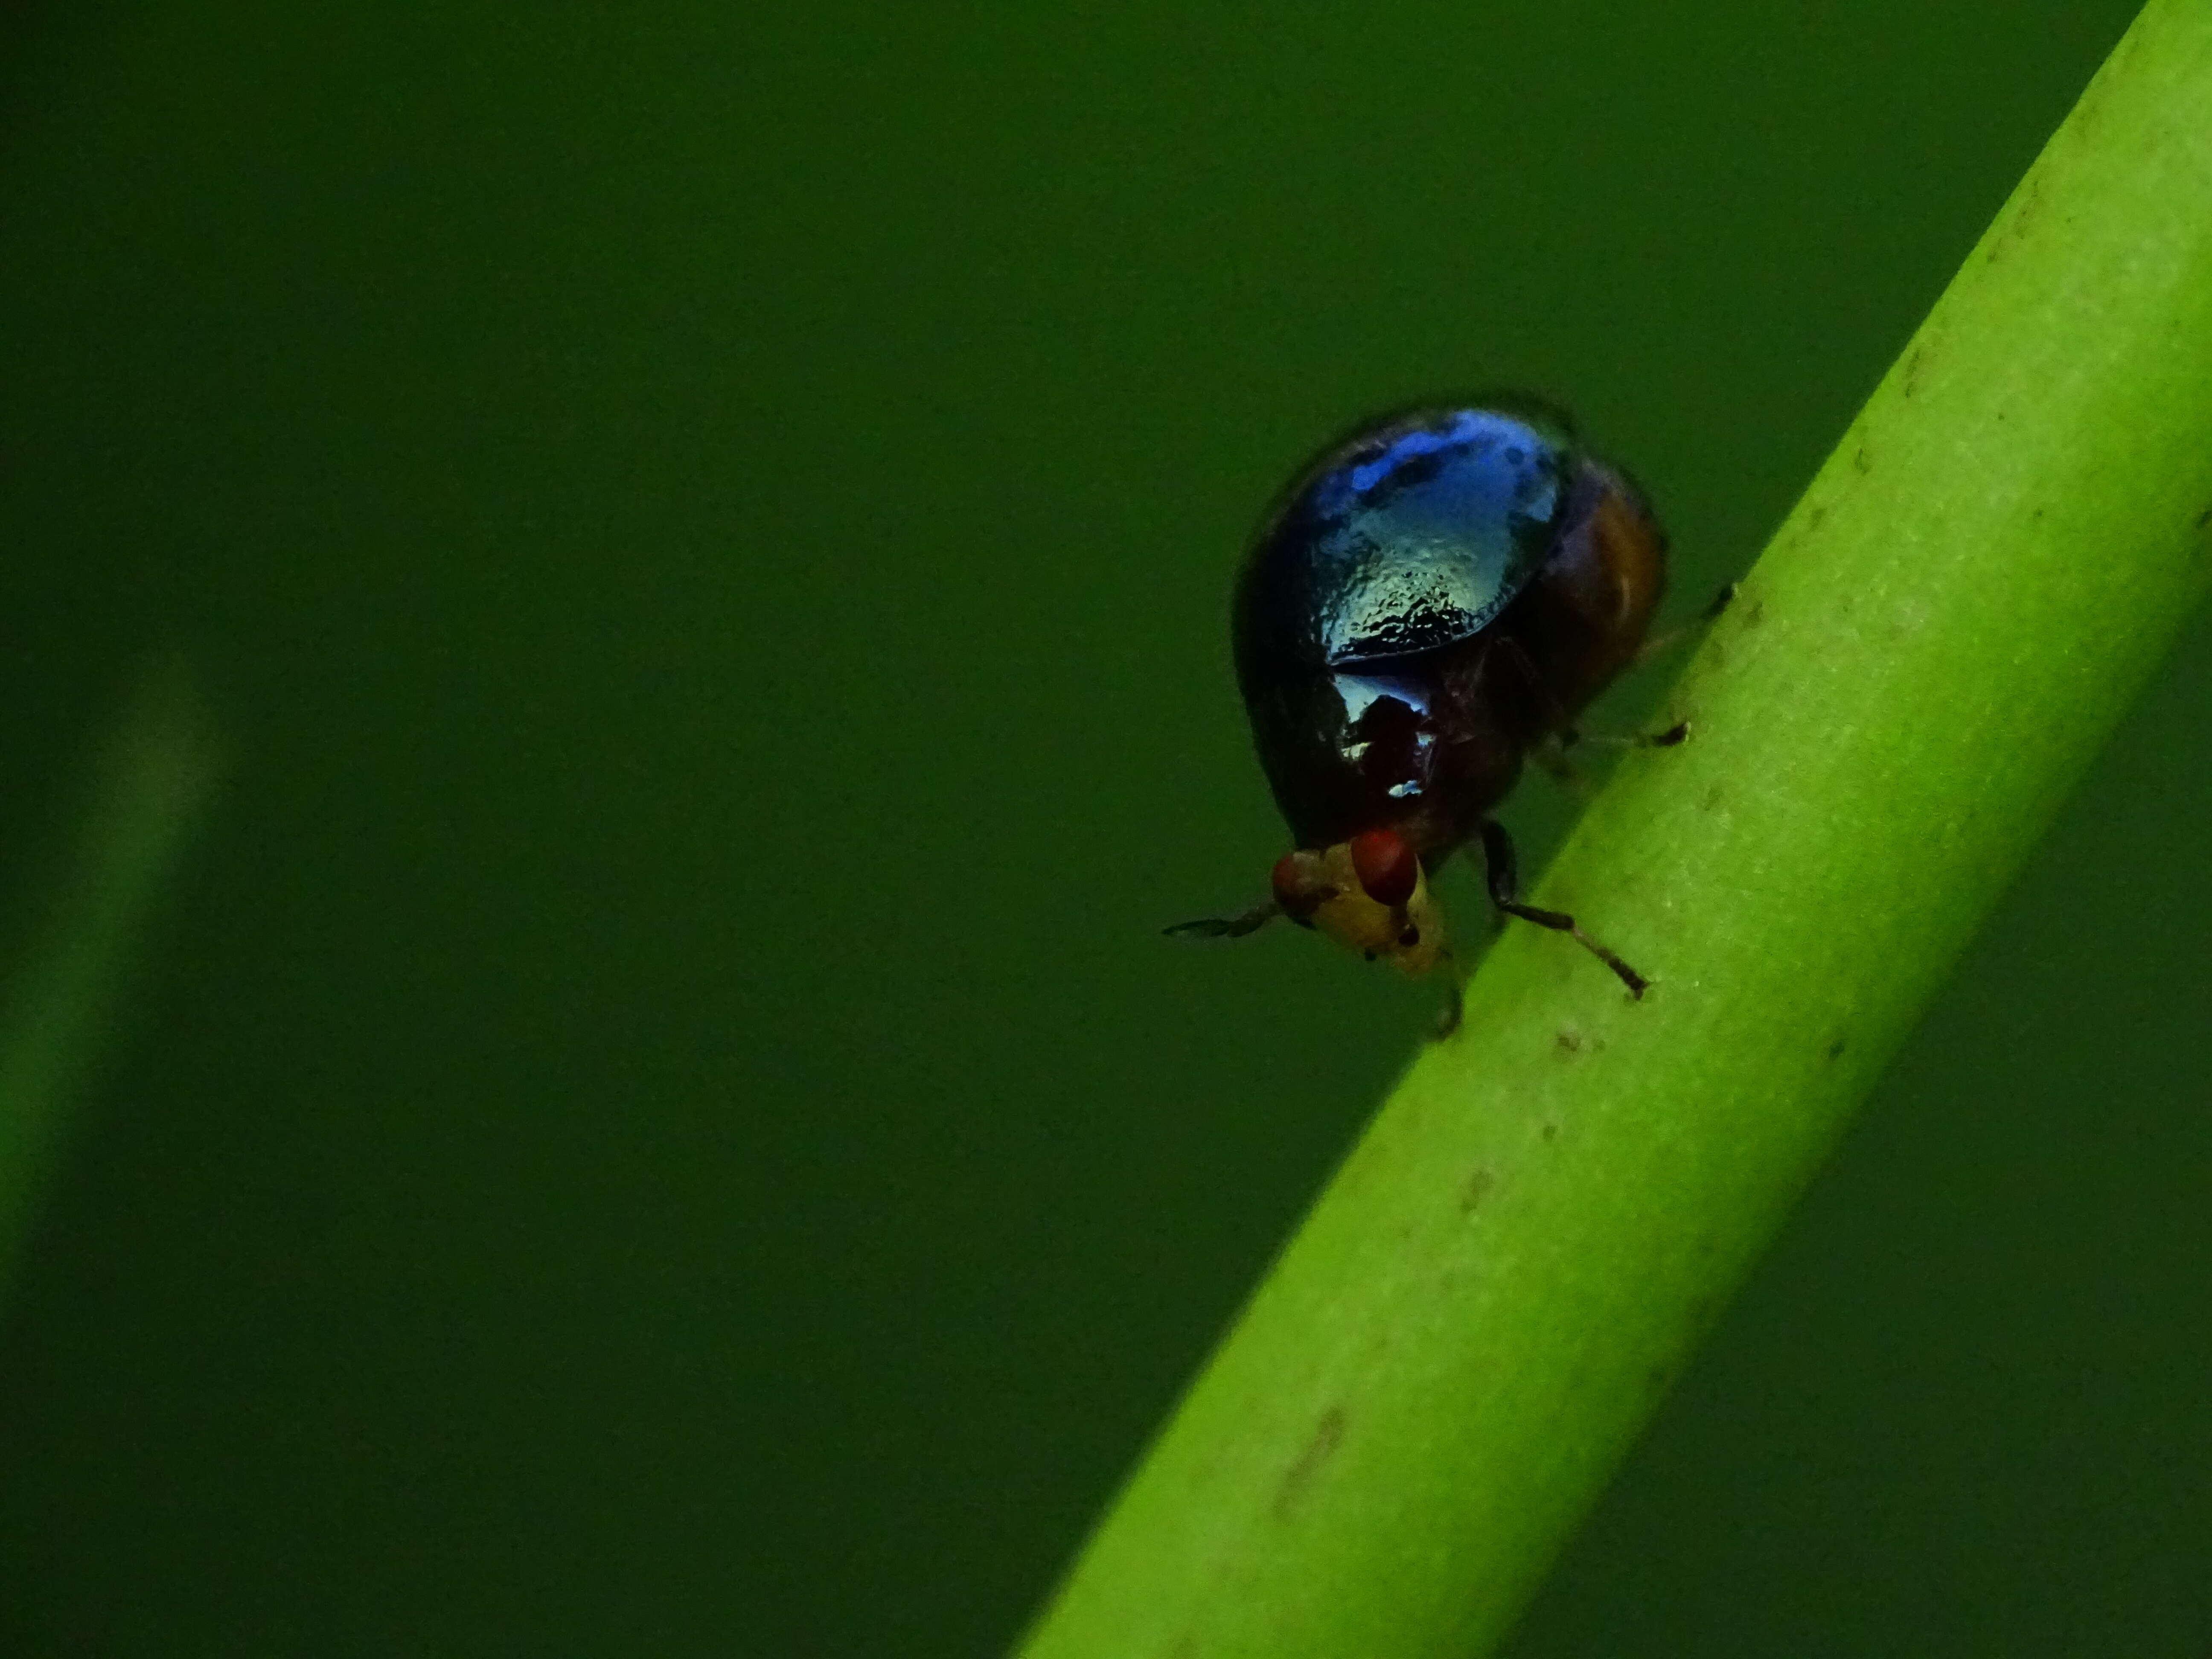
column 1369, row 893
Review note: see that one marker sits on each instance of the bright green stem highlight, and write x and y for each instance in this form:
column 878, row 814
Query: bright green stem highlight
column 150, row 778
column 1457, row 1349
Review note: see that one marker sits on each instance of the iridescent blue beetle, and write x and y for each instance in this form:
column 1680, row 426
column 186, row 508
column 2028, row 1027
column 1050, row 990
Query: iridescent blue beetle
column 1435, row 595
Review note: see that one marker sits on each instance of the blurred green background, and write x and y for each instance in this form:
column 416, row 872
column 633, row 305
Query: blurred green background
column 655, row 1117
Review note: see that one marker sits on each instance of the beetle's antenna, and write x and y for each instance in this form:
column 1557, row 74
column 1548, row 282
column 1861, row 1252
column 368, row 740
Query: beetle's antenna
column 1236, row 927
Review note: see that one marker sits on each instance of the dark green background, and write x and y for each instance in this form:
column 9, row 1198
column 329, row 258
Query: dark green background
column 656, row 1118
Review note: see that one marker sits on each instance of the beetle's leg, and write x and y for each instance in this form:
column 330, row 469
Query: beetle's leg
column 1236, row 927
column 1550, row 753
column 1674, row 734
column 1561, row 733
column 1674, row 636
column 1501, row 871
column 1447, row 1017
column 1556, row 719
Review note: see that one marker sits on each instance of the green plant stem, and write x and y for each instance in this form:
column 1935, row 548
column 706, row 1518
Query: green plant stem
column 1453, row 1353
column 150, row 779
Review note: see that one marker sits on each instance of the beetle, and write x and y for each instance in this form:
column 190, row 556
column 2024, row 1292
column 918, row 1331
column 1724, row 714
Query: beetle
column 1434, row 597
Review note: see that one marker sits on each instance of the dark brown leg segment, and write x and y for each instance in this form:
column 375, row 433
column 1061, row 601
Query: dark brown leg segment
column 1666, row 739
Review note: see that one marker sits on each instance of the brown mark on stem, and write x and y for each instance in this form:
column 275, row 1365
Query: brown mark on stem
column 2031, row 207
column 1327, row 1436
column 1475, row 1188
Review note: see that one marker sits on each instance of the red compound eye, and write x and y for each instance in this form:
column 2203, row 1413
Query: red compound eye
column 1386, row 866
